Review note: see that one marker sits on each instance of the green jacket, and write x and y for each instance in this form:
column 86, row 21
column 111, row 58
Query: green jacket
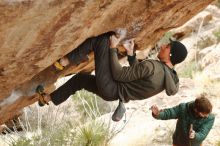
column 143, row 79
column 185, row 115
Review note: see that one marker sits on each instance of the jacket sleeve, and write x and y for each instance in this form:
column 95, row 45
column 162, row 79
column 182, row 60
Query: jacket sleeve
column 132, row 60
column 204, row 130
column 131, row 73
column 171, row 81
column 170, row 113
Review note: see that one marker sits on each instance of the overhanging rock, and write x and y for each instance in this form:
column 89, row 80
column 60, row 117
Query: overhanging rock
column 35, row 33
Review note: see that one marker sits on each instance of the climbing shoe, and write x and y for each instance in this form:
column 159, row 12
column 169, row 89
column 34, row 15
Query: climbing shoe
column 58, row 65
column 40, row 91
column 119, row 112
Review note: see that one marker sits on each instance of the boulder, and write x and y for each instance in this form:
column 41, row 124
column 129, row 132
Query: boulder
column 36, row 33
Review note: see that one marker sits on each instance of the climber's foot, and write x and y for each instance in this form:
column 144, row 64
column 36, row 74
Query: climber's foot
column 61, row 63
column 43, row 97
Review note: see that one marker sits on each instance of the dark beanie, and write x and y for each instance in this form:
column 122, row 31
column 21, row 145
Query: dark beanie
column 178, row 52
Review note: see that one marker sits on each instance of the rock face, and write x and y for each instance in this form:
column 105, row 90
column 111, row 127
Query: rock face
column 35, row 33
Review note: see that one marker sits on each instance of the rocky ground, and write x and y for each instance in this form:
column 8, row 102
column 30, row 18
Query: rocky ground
column 143, row 130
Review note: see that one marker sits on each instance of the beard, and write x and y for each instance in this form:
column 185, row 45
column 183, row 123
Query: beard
column 196, row 114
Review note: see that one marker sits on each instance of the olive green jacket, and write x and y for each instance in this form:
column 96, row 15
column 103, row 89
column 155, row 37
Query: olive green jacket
column 185, row 115
column 143, row 79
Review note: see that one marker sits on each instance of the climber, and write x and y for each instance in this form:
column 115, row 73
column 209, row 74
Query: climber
column 194, row 120
column 111, row 81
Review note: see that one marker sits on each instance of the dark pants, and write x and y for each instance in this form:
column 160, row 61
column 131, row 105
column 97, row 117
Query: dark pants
column 102, row 83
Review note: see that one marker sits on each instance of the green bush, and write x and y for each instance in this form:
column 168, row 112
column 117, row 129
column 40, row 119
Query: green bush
column 22, row 142
column 205, row 42
column 92, row 134
column 217, row 34
column 189, row 70
column 166, row 38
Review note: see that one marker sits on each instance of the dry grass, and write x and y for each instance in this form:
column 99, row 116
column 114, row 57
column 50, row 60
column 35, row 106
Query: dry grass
column 204, row 42
column 166, row 136
column 204, row 84
column 58, row 126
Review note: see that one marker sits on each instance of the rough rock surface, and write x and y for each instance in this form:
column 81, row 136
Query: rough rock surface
column 203, row 46
column 35, row 33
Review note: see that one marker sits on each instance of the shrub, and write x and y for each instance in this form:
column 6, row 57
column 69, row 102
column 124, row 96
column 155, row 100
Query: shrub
column 218, row 144
column 204, row 42
column 166, row 38
column 92, row 134
column 22, row 142
column 189, row 70
column 217, row 34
